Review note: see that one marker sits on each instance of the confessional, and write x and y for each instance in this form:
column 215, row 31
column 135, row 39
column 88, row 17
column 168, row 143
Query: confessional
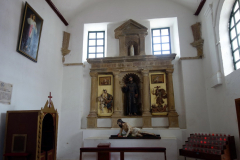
column 31, row 134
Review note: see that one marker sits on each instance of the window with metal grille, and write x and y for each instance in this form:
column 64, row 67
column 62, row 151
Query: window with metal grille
column 234, row 32
column 161, row 42
column 96, row 44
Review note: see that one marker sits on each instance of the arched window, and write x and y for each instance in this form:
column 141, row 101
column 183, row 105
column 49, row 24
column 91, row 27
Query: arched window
column 234, row 33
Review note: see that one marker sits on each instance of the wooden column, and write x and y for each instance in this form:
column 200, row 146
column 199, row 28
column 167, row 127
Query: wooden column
column 92, row 117
column 172, row 115
column 147, row 123
column 117, row 100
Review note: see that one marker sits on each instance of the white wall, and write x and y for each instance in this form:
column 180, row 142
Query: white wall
column 221, row 99
column 31, row 81
column 189, row 105
column 71, row 112
column 120, row 11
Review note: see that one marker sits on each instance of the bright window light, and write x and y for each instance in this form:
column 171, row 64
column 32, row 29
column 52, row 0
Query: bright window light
column 161, row 43
column 96, row 44
column 234, row 32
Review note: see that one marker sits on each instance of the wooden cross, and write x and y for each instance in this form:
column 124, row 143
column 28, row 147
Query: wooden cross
column 49, row 99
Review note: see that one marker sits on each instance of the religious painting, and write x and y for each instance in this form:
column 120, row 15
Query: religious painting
column 105, row 101
column 160, row 104
column 30, row 33
column 157, row 78
column 104, row 81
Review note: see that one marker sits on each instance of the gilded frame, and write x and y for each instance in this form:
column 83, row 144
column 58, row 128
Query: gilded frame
column 30, row 34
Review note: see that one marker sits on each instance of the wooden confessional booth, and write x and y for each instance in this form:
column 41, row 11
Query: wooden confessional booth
column 31, row 134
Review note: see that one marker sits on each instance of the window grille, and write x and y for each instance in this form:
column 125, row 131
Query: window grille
column 234, row 32
column 161, row 41
column 96, row 44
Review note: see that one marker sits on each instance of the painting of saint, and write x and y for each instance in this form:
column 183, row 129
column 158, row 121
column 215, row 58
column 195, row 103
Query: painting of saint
column 104, row 81
column 160, row 94
column 106, row 100
column 30, row 33
column 157, row 78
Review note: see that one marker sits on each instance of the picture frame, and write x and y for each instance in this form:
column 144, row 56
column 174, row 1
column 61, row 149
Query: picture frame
column 157, row 78
column 104, row 81
column 30, row 34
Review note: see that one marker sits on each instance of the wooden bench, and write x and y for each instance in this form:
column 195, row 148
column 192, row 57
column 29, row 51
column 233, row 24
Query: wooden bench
column 123, row 149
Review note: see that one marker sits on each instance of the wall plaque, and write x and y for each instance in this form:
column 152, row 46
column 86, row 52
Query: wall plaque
column 5, row 93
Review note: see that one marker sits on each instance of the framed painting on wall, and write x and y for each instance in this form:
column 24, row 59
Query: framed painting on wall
column 30, row 33
column 157, row 78
column 104, row 81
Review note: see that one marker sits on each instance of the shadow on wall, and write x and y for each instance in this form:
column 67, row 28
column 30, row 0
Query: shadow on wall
column 86, row 92
column 179, row 92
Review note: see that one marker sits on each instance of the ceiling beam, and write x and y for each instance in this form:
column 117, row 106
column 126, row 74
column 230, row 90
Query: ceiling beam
column 57, row 12
column 200, row 7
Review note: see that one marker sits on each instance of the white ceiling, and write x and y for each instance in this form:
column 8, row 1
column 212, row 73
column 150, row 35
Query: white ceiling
column 69, row 8
column 191, row 4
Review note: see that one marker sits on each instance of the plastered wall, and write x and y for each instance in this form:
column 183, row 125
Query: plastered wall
column 221, row 99
column 31, row 81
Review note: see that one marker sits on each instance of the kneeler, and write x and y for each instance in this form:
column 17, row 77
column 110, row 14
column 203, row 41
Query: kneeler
column 104, row 155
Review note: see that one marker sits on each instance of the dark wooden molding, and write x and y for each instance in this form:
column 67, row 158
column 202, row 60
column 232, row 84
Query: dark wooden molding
column 57, row 12
column 237, row 102
column 200, row 7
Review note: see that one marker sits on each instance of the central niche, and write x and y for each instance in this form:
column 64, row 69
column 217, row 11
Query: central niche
column 134, row 43
column 132, row 103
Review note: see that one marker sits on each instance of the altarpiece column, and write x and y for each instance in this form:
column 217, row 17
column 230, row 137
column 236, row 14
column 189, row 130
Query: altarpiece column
column 147, row 122
column 172, row 115
column 117, row 109
column 92, row 117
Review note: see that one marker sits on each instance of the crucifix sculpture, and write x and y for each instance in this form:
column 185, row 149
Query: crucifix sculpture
column 49, row 99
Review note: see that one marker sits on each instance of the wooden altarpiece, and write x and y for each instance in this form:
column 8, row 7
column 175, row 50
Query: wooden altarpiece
column 38, row 131
column 140, row 66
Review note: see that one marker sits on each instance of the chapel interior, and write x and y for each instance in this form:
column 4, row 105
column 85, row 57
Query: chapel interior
column 196, row 76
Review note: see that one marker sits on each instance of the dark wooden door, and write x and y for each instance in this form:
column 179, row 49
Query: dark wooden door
column 237, row 102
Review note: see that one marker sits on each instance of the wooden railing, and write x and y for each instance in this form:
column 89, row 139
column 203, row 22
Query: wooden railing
column 123, row 149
